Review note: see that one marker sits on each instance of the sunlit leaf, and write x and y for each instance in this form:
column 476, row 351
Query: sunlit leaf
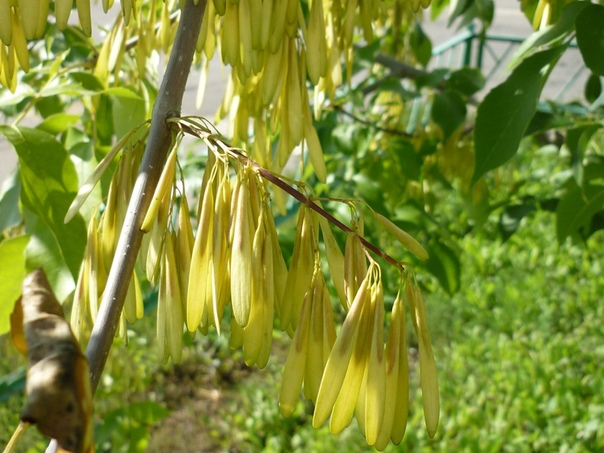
column 57, row 123
column 44, row 252
column 49, row 183
column 9, row 201
column 505, row 113
column 12, row 272
column 128, row 111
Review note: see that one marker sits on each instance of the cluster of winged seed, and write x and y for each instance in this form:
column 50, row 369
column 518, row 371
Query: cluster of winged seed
column 273, row 46
column 232, row 271
column 22, row 20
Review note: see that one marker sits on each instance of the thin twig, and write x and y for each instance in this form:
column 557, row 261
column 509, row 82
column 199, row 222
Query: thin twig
column 340, row 109
column 398, row 69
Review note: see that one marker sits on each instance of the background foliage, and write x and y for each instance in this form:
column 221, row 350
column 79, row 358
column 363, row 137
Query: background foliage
column 494, row 192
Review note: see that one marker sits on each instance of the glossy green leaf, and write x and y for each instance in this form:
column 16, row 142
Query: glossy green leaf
column 434, row 78
column 448, row 111
column 58, row 122
column 444, row 264
column 65, row 89
column 128, row 111
column 49, row 184
column 87, row 80
column 366, row 54
column 122, row 92
column 8, row 99
column 593, row 168
column 9, row 201
column 593, row 88
column 551, row 34
column 466, row 81
column 50, row 105
column 470, row 10
column 545, row 121
column 506, row 111
column 576, row 209
column 590, row 37
column 12, row 272
column 43, row 251
column 421, row 45
column 577, row 142
column 459, row 7
column 406, row 157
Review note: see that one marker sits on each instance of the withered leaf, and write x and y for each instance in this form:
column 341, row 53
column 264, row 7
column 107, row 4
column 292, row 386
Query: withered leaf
column 59, row 397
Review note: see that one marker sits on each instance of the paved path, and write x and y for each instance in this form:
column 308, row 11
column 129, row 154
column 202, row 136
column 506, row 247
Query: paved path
column 509, row 21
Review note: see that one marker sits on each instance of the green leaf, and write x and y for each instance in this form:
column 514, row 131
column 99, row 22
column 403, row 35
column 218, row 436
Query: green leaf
column 470, row 10
column 367, row 53
column 593, row 168
column 128, row 110
column 58, row 122
column 577, row 141
column 50, row 105
column 65, row 89
column 459, row 7
column 12, row 273
column 593, row 88
column 590, row 37
column 510, row 219
column 448, row 111
column 87, row 80
column 545, row 121
column 432, row 79
column 551, row 34
column 123, row 92
column 421, row 45
column 43, row 251
column 467, row 81
column 444, row 265
column 505, row 113
column 576, row 209
column 49, row 184
column 406, row 157
column 9, row 201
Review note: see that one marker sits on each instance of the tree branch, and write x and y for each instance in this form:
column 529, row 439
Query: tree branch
column 397, row 68
column 339, row 108
column 167, row 104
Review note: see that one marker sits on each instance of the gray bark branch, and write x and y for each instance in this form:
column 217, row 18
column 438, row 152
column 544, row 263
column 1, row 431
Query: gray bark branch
column 167, row 104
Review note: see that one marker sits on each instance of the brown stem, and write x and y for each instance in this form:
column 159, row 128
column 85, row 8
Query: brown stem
column 167, row 104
